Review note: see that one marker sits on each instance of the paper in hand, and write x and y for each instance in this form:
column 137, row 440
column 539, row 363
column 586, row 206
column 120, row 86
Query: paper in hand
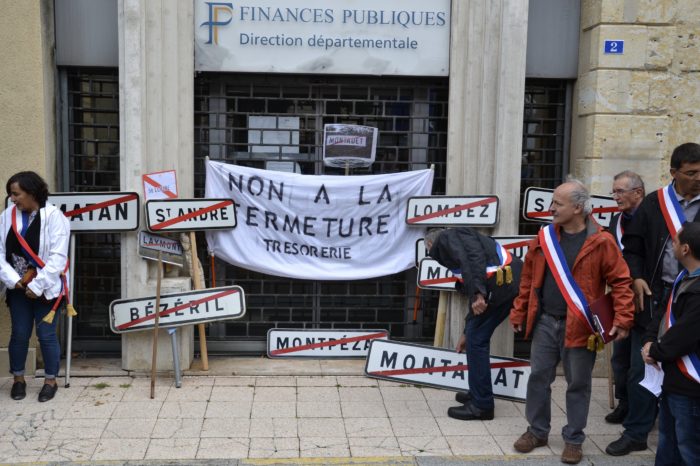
column 653, row 379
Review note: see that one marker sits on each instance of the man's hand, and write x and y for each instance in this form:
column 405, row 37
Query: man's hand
column 30, row 294
column 19, row 286
column 517, row 328
column 479, row 304
column 620, row 332
column 461, row 344
column 645, row 355
column 641, row 289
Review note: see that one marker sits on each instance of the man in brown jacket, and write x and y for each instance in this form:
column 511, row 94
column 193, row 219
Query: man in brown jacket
column 567, row 267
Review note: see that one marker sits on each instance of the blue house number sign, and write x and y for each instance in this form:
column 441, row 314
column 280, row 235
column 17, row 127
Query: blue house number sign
column 614, row 46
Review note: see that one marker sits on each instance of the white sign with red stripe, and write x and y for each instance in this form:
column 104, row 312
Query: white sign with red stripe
column 433, row 276
column 151, row 245
column 312, row 343
column 94, row 212
column 440, row 368
column 160, row 185
column 452, row 210
column 516, row 245
column 190, row 215
column 190, row 307
column 537, row 201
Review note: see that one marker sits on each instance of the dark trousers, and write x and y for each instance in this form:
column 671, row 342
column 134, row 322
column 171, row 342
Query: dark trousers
column 679, row 431
column 478, row 332
column 620, row 363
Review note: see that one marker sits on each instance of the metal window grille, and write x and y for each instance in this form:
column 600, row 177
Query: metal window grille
column 411, row 115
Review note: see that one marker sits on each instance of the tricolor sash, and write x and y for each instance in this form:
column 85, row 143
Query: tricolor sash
column 619, row 231
column 504, row 259
column 568, row 287
column 671, row 209
column 689, row 364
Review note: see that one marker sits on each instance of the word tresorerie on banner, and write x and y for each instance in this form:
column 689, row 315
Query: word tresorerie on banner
column 452, row 211
column 537, row 201
column 316, row 227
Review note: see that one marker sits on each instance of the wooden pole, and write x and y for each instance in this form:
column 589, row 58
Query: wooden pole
column 154, row 358
column 195, row 279
column 440, row 319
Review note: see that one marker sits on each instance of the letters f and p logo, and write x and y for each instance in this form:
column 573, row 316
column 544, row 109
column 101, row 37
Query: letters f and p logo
column 218, row 11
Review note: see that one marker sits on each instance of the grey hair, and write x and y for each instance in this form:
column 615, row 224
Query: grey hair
column 580, row 195
column 432, row 235
column 635, row 180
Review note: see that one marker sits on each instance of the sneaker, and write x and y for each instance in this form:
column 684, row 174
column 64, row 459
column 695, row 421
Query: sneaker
column 47, row 392
column 463, row 397
column 528, row 442
column 572, row 453
column 624, row 446
column 19, row 390
column 617, row 415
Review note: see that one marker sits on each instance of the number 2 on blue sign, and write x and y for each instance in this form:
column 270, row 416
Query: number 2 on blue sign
column 614, row 46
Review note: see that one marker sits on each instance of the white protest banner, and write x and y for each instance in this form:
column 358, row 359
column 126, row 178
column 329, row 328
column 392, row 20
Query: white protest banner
column 439, row 368
column 537, row 201
column 160, row 185
column 190, row 215
column 517, row 245
column 177, row 309
column 452, row 210
column 170, row 249
column 313, row 343
column 98, row 212
column 316, row 227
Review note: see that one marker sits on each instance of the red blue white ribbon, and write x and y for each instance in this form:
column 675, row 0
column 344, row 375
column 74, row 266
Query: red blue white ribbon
column 689, row 364
column 619, row 231
column 504, row 258
column 671, row 209
column 568, row 287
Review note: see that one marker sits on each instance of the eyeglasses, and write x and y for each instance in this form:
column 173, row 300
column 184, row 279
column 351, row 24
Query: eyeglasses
column 690, row 174
column 620, row 192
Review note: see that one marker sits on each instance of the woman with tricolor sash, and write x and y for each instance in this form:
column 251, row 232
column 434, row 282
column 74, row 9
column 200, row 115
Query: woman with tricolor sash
column 678, row 350
column 34, row 238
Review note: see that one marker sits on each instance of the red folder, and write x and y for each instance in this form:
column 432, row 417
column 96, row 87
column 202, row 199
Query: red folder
column 603, row 314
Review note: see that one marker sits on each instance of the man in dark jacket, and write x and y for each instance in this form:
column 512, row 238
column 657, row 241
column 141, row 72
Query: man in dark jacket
column 649, row 254
column 490, row 277
column 678, row 350
column 628, row 193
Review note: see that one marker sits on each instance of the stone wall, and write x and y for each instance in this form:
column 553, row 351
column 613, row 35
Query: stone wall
column 631, row 110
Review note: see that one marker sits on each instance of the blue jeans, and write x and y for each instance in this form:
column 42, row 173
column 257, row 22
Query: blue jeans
column 478, row 332
column 679, row 435
column 24, row 312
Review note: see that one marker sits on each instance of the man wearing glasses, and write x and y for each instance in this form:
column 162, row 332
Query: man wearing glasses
column 648, row 251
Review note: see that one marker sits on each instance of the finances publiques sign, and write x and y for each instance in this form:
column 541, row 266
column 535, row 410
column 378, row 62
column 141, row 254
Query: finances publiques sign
column 391, row 37
column 316, row 227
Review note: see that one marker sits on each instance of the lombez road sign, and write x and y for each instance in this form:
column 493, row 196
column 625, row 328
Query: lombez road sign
column 537, row 201
column 190, row 215
column 315, row 344
column 170, row 249
column 439, row 368
column 452, row 211
column 190, row 307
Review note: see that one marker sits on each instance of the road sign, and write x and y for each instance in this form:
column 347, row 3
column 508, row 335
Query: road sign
column 160, row 185
column 537, row 201
column 190, row 215
column 440, row 368
column 433, row 276
column 189, row 307
column 150, row 245
column 98, row 212
column 517, row 245
column 452, row 211
column 312, row 343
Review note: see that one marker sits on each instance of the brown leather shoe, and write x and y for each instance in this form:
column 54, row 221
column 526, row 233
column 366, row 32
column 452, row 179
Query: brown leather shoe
column 572, row 454
column 528, row 442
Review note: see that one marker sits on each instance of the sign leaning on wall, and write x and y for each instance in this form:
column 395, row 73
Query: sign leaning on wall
column 391, row 37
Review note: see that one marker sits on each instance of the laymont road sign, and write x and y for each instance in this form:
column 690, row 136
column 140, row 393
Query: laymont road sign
column 312, row 343
column 190, row 215
column 190, row 307
column 96, row 212
column 452, row 211
column 439, row 368
column 537, row 201
column 170, row 249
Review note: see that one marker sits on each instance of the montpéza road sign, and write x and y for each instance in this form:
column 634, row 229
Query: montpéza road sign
column 537, row 201
column 313, row 343
column 190, row 215
column 452, row 211
column 177, row 309
column 440, row 368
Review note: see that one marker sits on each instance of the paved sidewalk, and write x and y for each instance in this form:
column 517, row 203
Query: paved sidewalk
column 298, row 419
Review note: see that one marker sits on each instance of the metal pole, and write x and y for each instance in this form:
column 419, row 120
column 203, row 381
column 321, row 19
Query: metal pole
column 176, row 356
column 69, row 333
column 154, row 358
